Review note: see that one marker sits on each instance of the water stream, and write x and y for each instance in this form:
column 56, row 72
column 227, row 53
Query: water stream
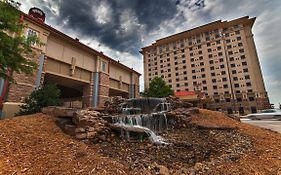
column 143, row 115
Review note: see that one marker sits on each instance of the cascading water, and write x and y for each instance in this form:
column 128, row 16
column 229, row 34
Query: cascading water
column 146, row 114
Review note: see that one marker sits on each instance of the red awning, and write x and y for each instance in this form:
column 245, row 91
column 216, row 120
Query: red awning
column 185, row 93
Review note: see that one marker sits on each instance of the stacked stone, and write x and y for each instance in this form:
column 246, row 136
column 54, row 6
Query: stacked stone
column 181, row 116
column 175, row 103
column 113, row 106
column 90, row 125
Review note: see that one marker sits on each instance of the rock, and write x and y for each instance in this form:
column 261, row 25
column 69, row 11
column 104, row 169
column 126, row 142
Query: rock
column 58, row 111
column 162, row 170
column 199, row 166
column 193, row 110
column 69, row 129
column 80, row 130
column 81, row 136
column 102, row 137
column 91, row 135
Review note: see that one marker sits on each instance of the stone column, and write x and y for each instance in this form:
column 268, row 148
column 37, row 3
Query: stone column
column 103, row 93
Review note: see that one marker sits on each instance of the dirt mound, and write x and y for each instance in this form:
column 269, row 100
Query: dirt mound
column 35, row 145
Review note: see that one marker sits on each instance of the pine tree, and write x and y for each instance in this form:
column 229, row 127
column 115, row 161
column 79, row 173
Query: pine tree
column 158, row 88
column 15, row 48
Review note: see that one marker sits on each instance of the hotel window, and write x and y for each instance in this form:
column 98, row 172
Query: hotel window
column 190, row 49
column 245, row 70
column 103, row 66
column 210, row 56
column 203, row 75
column 218, row 42
column 223, row 72
column 176, row 58
column 212, row 68
column 213, row 74
column 177, row 74
column 178, row 85
column 247, row 77
column 227, row 35
column 237, row 32
column 183, row 61
column 225, row 86
column 209, row 50
column 208, row 44
column 202, row 64
column 184, row 72
column 184, row 67
column 230, row 53
column 228, row 46
column 215, row 87
column 199, row 46
column 227, row 41
column 221, row 59
column 170, row 81
column 251, row 99
column 200, row 52
column 191, row 54
column 231, row 59
column 192, row 65
column 177, row 79
column 31, row 33
column 232, row 65
column 241, row 50
column 233, row 71
column 176, row 68
column 240, row 44
column 238, row 38
column 248, row 84
column 194, row 77
column 192, row 59
column 224, row 79
column 214, row 80
column 242, row 57
column 185, row 78
column 219, row 48
column 169, row 75
column 168, row 54
column 222, row 66
column 186, row 84
column 236, row 85
column 220, row 53
column 211, row 62
column 202, row 69
column 235, row 78
column 205, row 88
column 176, row 63
column 169, row 70
column 200, row 58
column 244, row 63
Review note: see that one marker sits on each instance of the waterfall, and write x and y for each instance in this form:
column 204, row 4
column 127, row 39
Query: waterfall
column 151, row 135
column 146, row 114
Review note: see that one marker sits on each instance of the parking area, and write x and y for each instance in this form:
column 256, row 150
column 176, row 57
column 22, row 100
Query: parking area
column 269, row 124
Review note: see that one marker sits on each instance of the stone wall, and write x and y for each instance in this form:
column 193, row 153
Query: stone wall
column 25, row 83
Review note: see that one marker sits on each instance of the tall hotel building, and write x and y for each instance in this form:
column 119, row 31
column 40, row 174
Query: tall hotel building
column 218, row 60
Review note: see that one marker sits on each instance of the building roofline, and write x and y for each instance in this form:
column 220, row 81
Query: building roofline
column 51, row 29
column 202, row 27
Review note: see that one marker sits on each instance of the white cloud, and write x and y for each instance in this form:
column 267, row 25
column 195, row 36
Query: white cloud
column 102, row 12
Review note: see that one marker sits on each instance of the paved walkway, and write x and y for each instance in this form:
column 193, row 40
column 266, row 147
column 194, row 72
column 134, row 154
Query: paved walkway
column 269, row 124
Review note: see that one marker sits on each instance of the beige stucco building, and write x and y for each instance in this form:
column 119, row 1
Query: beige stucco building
column 219, row 59
column 85, row 76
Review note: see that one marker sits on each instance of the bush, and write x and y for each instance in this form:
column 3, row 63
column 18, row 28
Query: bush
column 47, row 95
column 158, row 88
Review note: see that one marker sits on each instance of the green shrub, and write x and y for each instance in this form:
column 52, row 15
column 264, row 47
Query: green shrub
column 158, row 88
column 47, row 95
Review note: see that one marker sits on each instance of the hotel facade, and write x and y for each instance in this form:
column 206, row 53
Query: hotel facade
column 218, row 60
column 86, row 77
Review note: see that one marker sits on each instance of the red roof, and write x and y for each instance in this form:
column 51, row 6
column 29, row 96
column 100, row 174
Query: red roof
column 185, row 93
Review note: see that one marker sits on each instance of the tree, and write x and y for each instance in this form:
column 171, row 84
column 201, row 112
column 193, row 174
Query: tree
column 158, row 88
column 15, row 48
column 47, row 95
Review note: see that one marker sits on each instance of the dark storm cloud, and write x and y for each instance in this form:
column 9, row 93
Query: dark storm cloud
column 81, row 16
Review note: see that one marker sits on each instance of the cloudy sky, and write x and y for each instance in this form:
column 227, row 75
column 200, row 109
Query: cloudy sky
column 120, row 28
